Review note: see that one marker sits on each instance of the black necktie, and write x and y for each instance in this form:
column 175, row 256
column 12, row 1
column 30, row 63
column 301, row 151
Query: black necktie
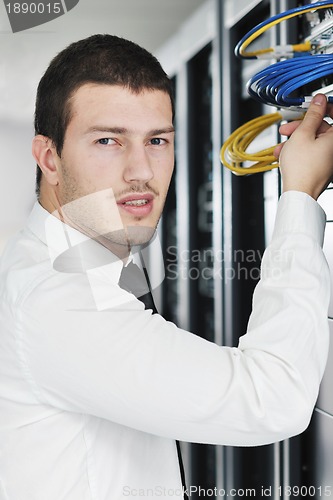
column 136, row 282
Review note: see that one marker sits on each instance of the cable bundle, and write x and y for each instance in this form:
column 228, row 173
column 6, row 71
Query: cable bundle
column 278, row 85
column 234, row 150
column 284, row 51
column 275, row 84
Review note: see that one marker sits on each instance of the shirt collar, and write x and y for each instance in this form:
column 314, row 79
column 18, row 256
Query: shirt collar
column 72, row 251
column 69, row 249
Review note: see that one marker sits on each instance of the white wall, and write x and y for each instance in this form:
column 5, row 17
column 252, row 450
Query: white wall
column 17, row 176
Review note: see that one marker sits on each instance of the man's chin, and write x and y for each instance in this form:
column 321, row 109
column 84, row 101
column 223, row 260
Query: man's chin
column 131, row 236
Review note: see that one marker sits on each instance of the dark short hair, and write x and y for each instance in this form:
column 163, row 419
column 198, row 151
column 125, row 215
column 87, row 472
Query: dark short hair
column 102, row 59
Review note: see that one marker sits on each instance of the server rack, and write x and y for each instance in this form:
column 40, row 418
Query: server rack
column 249, row 471
column 320, row 27
column 234, row 214
column 193, row 60
column 201, row 255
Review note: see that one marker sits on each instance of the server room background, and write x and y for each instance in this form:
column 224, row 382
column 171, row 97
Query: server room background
column 209, row 212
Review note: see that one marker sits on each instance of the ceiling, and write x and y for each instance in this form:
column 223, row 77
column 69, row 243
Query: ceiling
column 25, row 55
column 149, row 22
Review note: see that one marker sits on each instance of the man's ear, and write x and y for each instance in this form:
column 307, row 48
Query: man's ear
column 46, row 157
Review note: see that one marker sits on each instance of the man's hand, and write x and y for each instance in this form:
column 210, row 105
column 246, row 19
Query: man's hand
column 306, row 159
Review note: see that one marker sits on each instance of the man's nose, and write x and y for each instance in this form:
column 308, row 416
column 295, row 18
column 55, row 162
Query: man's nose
column 138, row 165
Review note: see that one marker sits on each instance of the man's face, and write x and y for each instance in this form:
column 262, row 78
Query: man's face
column 117, row 161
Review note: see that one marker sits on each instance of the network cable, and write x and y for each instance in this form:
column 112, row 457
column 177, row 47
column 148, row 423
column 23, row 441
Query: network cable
column 234, row 150
column 279, row 51
column 276, row 84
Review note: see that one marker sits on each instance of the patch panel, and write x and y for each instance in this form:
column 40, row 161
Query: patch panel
column 320, row 31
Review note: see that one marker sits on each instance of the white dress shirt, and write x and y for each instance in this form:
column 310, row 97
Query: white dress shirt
column 94, row 389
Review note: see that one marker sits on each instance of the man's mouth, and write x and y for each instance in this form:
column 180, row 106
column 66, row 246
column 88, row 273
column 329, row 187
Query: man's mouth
column 137, row 204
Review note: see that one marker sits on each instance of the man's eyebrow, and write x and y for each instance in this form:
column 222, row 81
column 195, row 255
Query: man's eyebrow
column 158, row 131
column 125, row 131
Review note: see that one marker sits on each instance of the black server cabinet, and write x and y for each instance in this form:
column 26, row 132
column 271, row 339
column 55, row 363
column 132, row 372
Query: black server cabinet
column 301, row 466
column 200, row 271
column 169, row 294
column 249, row 470
column 198, row 258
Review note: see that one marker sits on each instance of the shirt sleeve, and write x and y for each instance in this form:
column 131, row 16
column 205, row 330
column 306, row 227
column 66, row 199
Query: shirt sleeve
column 121, row 363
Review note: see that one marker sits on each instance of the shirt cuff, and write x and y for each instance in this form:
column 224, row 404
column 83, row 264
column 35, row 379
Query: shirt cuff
column 298, row 212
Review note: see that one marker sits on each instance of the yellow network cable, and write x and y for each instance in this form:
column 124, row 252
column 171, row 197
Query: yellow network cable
column 234, row 150
column 262, row 27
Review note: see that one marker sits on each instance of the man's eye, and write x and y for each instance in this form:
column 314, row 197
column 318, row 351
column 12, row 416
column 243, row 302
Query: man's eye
column 157, row 141
column 106, row 141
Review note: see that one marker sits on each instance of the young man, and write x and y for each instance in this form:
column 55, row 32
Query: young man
column 94, row 388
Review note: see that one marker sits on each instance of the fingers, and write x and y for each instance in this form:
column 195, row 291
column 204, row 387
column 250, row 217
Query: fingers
column 313, row 121
column 329, row 109
column 277, row 150
column 314, row 116
column 323, row 128
column 289, row 128
column 313, row 124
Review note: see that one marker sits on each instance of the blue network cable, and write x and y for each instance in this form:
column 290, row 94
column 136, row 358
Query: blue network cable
column 275, row 84
column 280, row 51
column 278, row 84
